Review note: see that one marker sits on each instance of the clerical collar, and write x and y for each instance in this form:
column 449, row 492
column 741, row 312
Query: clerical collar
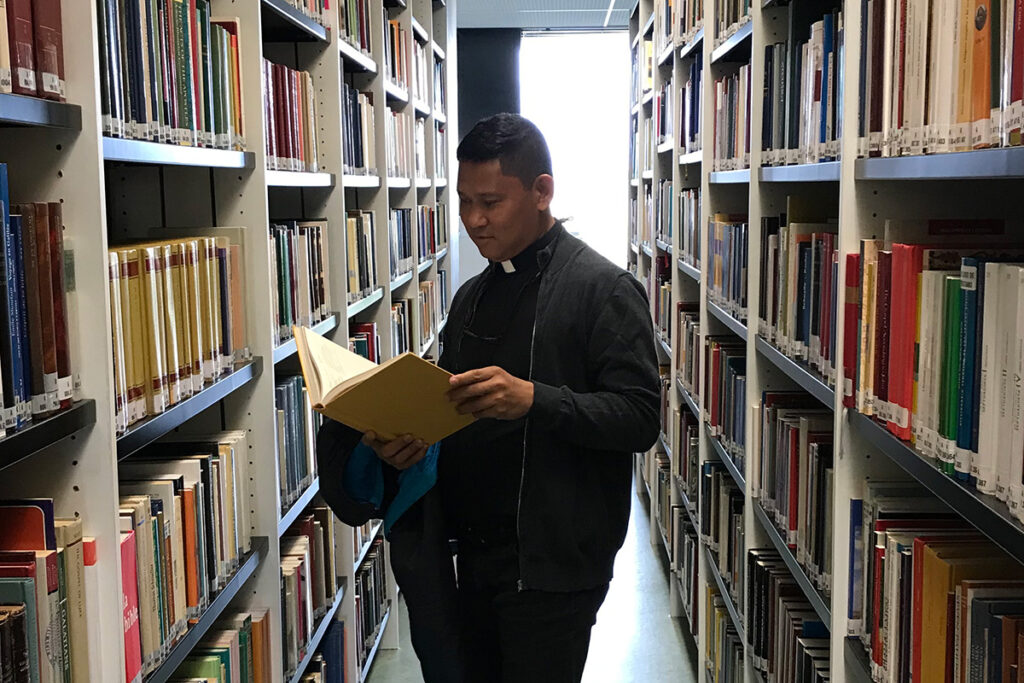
column 527, row 258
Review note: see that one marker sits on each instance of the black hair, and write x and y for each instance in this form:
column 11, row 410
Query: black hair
column 514, row 141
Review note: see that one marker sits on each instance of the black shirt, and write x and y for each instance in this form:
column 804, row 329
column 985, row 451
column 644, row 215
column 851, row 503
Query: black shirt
column 482, row 464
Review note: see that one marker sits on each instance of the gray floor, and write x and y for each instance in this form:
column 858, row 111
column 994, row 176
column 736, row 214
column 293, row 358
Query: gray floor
column 634, row 639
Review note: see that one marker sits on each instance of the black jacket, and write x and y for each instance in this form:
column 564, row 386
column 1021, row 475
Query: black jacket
column 596, row 402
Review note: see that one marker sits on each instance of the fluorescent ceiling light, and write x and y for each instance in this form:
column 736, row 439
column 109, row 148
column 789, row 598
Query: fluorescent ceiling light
column 608, row 14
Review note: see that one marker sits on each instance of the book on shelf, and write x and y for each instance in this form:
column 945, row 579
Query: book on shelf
column 723, row 646
column 361, row 242
column 441, row 152
column 732, row 120
column 432, row 223
column 643, row 69
column 396, row 51
column 665, row 212
column 290, row 111
column 297, row 427
column 662, row 296
column 687, row 17
column 794, row 477
column 371, row 599
column 665, row 408
column 236, row 648
column 357, row 131
column 171, row 73
column 354, row 24
column 429, row 309
column 420, row 148
column 37, row 378
column 799, row 273
column 689, row 227
column 936, row 79
column 721, row 525
column 440, row 87
column 299, row 270
column 403, row 395
column 421, row 76
column 661, row 493
column 730, row 15
column 317, row 10
column 664, row 114
column 687, row 345
column 400, row 236
column 401, row 327
column 177, row 318
column 788, row 641
column 685, row 564
column 691, row 109
column 364, row 339
column 328, row 665
column 32, row 49
column 442, row 292
column 802, row 116
column 130, row 611
column 724, row 394
column 398, row 139
column 728, row 250
column 686, row 456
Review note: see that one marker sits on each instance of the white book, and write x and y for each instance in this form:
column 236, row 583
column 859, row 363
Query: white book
column 1005, row 334
column 984, row 469
column 931, row 308
column 890, row 63
column 1016, row 450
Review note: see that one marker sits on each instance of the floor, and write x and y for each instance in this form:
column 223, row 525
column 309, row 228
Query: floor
column 634, row 639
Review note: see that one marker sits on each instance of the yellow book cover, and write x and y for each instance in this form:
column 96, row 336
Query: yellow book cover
column 197, row 339
column 152, row 321
column 981, row 71
column 216, row 321
column 964, row 86
column 171, row 325
column 179, row 279
column 134, row 302
column 117, row 342
column 405, row 395
column 206, row 266
column 236, row 271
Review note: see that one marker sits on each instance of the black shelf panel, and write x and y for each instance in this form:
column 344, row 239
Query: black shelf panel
column 687, row 398
column 366, row 547
column 195, row 633
column 297, row 507
column 799, row 372
column 152, row 428
column 19, row 110
column 283, row 23
column 736, row 47
column 1005, row 163
column 688, row 270
column 723, row 317
column 376, row 646
column 156, row 153
column 859, row 666
column 737, row 177
column 821, row 607
column 722, row 455
column 987, row 513
column 318, row 635
column 737, row 622
column 287, row 349
column 41, row 434
column 693, row 47
column 357, row 307
column 824, row 172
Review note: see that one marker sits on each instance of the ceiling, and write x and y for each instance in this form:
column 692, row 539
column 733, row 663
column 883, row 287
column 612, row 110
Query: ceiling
column 543, row 14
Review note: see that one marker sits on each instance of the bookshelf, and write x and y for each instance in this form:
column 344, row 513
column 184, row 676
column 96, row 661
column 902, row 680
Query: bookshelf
column 858, row 197
column 116, row 190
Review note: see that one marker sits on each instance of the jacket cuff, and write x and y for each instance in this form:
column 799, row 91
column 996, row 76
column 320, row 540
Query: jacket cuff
column 547, row 403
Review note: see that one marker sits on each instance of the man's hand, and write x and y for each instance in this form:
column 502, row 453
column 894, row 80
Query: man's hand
column 401, row 453
column 491, row 392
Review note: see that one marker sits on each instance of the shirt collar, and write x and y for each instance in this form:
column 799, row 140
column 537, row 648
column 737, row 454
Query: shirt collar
column 535, row 256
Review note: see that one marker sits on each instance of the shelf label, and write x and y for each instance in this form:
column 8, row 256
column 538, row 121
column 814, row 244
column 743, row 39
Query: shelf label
column 26, row 78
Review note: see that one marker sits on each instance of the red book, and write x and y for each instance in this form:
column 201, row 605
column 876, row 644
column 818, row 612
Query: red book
column 793, row 512
column 883, row 297
column 876, row 641
column 851, row 323
column 49, row 49
column 22, row 39
column 65, row 383
column 130, row 612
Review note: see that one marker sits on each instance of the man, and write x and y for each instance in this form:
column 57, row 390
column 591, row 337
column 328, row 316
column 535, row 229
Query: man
column 553, row 351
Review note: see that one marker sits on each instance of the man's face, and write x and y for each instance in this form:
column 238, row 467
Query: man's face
column 501, row 216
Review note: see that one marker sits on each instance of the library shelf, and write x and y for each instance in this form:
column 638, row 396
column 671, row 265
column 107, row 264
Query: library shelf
column 396, row 182
column 734, row 614
column 425, row 347
column 824, row 172
column 360, row 305
column 420, row 32
column 421, row 108
column 143, row 152
column 368, row 664
column 318, row 635
column 726, row 459
column 667, row 146
column 666, row 55
column 440, row 182
column 723, row 317
column 355, row 57
column 991, row 164
column 395, row 92
column 439, row 117
column 438, row 50
column 688, row 270
column 692, row 48
column 634, row 248
column 857, row 657
column 648, row 26
column 647, row 98
column 195, row 633
column 366, row 547
column 986, row 513
column 287, row 349
column 735, row 48
column 690, row 158
column 635, row 109
column 150, row 429
column 691, row 509
column 736, row 177
column 299, row 179
column 646, row 248
column 441, row 253
column 31, row 439
column 401, row 280
column 297, row 507
column 817, row 600
column 425, row 265
column 665, row 346
column 687, row 398
column 648, row 174
column 798, row 371
column 663, row 246
column 423, row 183
column 360, row 181
column 283, row 23
column 20, row 110
column 664, row 441
column 395, row 4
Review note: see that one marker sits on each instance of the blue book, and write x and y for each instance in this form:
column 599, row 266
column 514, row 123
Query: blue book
column 10, row 340
column 21, row 301
column 826, row 76
column 15, row 591
column 985, row 618
column 969, row 268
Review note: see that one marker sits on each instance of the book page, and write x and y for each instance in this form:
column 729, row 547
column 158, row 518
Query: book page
column 331, row 364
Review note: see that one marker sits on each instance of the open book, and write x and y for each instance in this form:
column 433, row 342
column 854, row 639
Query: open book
column 405, row 395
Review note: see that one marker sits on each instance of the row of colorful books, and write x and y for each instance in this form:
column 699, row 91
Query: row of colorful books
column 371, row 599
column 317, row 10
column 432, row 222
column 663, row 112
column 685, row 564
column 441, row 152
column 400, row 236
column 691, row 110
column 354, row 24
column 364, row 339
column 687, row 346
column 440, row 87
column 361, row 237
column 727, row 255
column 359, row 153
column 397, row 59
column 297, row 427
column 723, row 651
column 642, row 79
column 676, row 21
column 732, row 121
column 729, row 16
column 724, row 394
column 685, row 433
column 429, row 300
column 398, row 135
column 299, row 270
column 290, row 110
column 665, row 212
column 422, row 75
column 721, row 526
column 401, row 327
column 235, row 650
column 32, row 49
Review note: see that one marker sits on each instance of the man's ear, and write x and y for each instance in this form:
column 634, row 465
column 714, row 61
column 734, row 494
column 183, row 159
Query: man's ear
column 544, row 188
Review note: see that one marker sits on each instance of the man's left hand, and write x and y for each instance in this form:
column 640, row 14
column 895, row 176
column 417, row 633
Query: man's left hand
column 491, row 392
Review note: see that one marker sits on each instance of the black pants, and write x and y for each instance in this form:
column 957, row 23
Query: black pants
column 513, row 636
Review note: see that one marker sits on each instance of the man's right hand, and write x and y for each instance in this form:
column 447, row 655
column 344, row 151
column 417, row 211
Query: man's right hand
column 401, row 453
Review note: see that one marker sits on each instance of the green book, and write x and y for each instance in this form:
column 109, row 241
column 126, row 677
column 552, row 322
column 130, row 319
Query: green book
column 183, row 72
column 949, row 388
column 207, row 666
column 223, row 655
